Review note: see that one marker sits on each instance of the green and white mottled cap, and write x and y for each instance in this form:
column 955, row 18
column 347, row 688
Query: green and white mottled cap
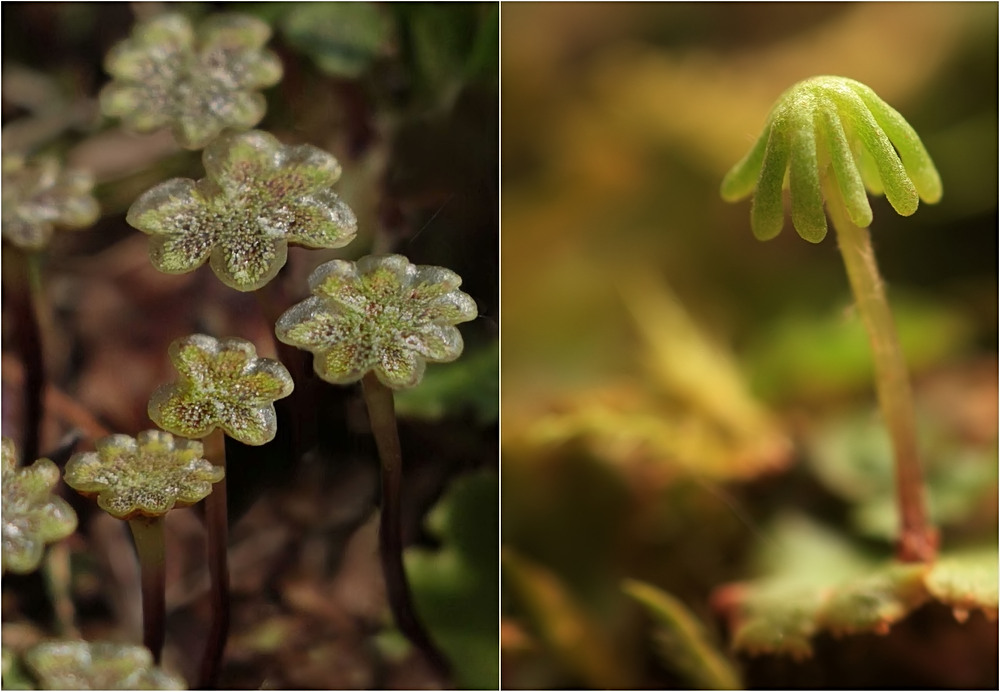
column 196, row 80
column 380, row 314
column 259, row 196
column 222, row 384
column 80, row 665
column 39, row 196
column 147, row 475
column 33, row 515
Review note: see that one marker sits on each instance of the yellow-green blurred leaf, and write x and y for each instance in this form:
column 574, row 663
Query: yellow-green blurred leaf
column 967, row 580
column 682, row 640
column 688, row 412
column 573, row 637
column 818, row 581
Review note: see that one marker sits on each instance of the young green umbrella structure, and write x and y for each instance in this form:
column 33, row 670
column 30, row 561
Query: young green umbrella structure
column 832, row 139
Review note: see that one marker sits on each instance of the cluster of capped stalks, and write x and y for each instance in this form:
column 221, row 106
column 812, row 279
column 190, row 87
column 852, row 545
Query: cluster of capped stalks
column 379, row 319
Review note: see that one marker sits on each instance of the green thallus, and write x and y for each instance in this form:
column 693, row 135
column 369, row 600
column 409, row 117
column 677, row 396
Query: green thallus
column 834, row 138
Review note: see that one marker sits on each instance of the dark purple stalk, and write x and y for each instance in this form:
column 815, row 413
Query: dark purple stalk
column 217, row 525
column 28, row 337
column 382, row 415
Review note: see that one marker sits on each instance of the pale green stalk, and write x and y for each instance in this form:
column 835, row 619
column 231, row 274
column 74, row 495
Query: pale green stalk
column 917, row 539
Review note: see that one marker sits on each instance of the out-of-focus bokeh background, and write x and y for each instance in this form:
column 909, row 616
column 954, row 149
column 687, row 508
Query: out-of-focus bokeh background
column 691, row 409
column 406, row 97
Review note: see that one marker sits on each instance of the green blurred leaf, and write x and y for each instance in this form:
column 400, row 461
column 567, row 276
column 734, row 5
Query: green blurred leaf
column 343, row 38
column 472, row 382
column 450, row 43
column 818, row 580
column 15, row 677
column 966, row 580
column 777, row 619
column 778, row 612
column 682, row 640
column 819, row 355
column 852, row 456
column 782, row 616
column 455, row 588
column 874, row 600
